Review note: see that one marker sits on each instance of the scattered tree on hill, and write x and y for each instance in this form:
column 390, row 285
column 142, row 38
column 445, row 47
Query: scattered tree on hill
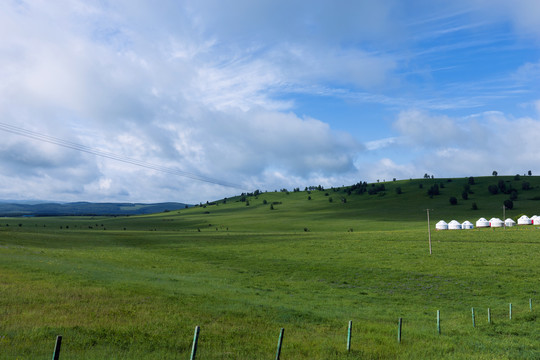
column 502, row 186
column 517, row 177
column 420, row 186
column 265, row 202
column 493, row 189
column 465, row 195
column 494, row 173
column 514, row 195
column 529, row 173
column 471, row 180
column 330, row 199
column 376, row 189
column 525, row 185
column 474, row 206
column 509, row 204
column 271, row 206
column 398, row 190
column 309, row 197
column 453, row 200
column 433, row 190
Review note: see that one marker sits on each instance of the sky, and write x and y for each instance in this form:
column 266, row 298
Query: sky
column 190, row 101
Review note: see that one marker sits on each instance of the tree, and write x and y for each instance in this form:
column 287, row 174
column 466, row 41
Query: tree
column 509, row 204
column 398, row 190
column 525, row 185
column 494, row 173
column 464, row 195
column 471, row 180
column 493, row 189
column 271, row 206
column 513, row 195
column 502, row 186
column 529, row 173
column 474, row 206
column 453, row 200
column 517, row 177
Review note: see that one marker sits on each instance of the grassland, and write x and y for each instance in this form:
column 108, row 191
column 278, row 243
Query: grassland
column 135, row 287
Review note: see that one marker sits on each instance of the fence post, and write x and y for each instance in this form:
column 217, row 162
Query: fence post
column 510, row 311
column 399, row 330
column 530, row 304
column 439, row 322
column 280, row 342
column 489, row 316
column 349, row 334
column 56, row 353
column 195, row 340
column 473, row 322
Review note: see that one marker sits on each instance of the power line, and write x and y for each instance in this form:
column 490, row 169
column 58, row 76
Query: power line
column 86, row 149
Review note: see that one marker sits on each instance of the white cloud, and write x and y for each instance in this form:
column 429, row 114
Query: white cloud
column 473, row 145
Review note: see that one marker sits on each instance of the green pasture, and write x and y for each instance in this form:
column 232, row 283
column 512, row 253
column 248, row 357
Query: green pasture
column 135, row 287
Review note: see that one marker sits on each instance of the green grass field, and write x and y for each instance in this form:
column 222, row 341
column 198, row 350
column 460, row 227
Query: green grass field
column 136, row 287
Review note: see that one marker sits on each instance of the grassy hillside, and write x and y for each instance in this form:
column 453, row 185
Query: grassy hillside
column 342, row 209
column 135, row 287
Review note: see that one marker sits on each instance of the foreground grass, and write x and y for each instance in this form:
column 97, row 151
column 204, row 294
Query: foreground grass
column 138, row 294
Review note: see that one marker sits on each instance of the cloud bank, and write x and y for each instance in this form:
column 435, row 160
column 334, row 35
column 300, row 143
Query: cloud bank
column 234, row 91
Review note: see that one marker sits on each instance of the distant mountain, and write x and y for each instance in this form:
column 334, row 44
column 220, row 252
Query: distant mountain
column 84, row 208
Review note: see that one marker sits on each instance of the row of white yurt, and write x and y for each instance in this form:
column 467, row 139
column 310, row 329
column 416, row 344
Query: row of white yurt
column 535, row 220
column 509, row 222
column 453, row 225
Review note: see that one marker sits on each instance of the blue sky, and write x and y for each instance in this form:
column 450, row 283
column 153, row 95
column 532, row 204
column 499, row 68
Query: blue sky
column 261, row 95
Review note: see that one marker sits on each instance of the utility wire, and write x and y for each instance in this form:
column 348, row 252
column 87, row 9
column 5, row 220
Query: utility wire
column 82, row 148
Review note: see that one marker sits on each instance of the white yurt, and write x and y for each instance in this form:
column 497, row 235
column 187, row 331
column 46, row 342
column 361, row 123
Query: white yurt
column 509, row 222
column 524, row 220
column 467, row 225
column 441, row 225
column 496, row 222
column 535, row 220
column 454, row 225
column 480, row 223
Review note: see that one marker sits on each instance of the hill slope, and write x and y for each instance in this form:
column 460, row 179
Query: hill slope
column 400, row 204
column 85, row 208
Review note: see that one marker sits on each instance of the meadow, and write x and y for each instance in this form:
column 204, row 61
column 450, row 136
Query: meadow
column 135, row 287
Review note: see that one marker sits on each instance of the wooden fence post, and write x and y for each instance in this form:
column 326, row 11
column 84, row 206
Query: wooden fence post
column 56, row 353
column 510, row 311
column 439, row 322
column 473, row 322
column 489, row 316
column 280, row 342
column 349, row 334
column 399, row 330
column 195, row 340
